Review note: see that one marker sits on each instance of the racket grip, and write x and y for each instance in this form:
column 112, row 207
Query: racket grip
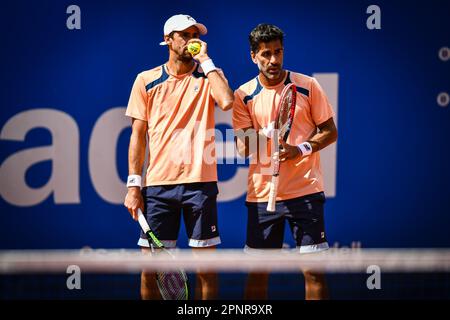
column 272, row 194
column 142, row 221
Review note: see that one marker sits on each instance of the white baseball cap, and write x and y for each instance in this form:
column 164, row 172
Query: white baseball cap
column 181, row 22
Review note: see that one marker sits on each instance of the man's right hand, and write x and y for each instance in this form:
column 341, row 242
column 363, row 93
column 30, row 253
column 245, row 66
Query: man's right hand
column 134, row 201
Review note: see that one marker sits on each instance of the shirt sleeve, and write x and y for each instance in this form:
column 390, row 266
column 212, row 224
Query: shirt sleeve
column 321, row 108
column 241, row 115
column 137, row 104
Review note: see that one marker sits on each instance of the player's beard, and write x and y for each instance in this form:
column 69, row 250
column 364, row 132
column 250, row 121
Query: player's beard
column 184, row 55
column 271, row 76
column 185, row 58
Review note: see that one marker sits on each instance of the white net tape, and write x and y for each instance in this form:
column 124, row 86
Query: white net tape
column 226, row 260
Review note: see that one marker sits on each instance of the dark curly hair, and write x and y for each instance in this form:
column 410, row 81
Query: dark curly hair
column 264, row 33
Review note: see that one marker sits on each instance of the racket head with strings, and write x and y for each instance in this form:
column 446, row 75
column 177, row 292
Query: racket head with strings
column 286, row 111
column 173, row 285
column 283, row 124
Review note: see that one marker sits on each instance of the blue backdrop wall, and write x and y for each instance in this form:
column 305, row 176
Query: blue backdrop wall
column 391, row 180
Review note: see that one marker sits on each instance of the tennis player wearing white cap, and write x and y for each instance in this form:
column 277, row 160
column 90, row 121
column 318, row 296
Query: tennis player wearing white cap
column 180, row 94
column 180, row 22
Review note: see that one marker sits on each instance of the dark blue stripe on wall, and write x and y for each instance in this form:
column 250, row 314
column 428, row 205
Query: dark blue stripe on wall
column 257, row 90
column 299, row 89
column 164, row 76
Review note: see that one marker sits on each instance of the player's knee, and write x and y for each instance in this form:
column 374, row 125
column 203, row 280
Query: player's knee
column 260, row 278
column 148, row 278
column 208, row 277
column 314, row 278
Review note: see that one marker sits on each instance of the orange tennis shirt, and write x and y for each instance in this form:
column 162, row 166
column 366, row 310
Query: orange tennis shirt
column 254, row 107
column 179, row 111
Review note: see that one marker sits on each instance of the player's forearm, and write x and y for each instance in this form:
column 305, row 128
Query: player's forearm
column 321, row 140
column 242, row 147
column 248, row 141
column 136, row 153
column 326, row 136
column 222, row 93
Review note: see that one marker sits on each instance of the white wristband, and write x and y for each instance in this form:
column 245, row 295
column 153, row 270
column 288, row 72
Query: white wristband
column 134, row 180
column 305, row 148
column 207, row 66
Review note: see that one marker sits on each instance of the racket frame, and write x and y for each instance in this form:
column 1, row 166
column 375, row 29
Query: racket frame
column 153, row 240
column 276, row 153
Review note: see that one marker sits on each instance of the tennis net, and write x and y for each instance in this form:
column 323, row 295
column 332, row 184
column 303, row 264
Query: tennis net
column 114, row 274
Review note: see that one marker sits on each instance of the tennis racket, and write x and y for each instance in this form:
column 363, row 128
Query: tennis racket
column 282, row 128
column 173, row 285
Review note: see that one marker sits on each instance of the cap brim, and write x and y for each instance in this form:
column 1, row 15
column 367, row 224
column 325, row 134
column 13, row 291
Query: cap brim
column 200, row 26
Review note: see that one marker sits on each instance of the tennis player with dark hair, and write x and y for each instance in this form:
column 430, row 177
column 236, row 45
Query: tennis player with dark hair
column 172, row 111
column 300, row 198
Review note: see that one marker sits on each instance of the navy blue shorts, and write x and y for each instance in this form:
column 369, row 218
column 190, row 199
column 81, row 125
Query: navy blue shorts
column 265, row 230
column 163, row 206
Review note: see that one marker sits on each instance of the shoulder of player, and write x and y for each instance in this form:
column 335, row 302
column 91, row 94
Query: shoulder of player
column 302, row 81
column 250, row 88
column 153, row 77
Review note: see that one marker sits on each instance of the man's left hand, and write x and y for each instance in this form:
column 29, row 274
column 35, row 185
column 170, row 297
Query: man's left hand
column 203, row 54
column 288, row 152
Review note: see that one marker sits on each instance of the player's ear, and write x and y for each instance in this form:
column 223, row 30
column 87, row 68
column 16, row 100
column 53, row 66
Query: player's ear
column 168, row 40
column 253, row 55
